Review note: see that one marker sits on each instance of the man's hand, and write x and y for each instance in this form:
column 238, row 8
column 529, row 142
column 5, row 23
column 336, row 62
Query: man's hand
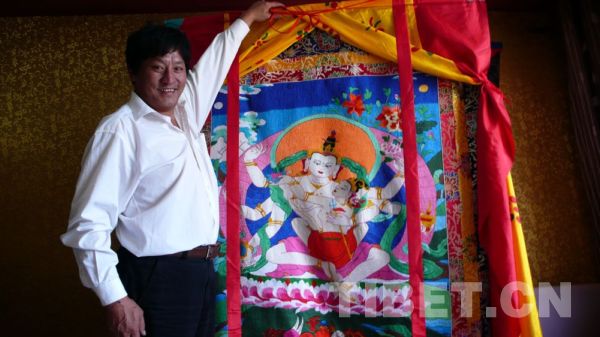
column 259, row 11
column 125, row 319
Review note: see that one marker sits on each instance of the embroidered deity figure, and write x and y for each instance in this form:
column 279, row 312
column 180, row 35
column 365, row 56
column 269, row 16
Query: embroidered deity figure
column 332, row 216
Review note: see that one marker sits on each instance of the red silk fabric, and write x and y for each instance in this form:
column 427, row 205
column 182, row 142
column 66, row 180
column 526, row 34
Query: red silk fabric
column 458, row 30
column 200, row 31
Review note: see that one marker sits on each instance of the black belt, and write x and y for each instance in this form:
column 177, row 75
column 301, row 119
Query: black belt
column 207, row 252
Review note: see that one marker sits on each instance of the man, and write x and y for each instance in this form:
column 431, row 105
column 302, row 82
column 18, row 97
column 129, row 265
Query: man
column 146, row 174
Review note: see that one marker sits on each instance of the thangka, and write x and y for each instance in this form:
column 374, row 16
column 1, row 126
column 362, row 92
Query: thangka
column 323, row 208
column 322, row 193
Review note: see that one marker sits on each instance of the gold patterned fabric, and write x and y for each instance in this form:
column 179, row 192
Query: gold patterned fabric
column 552, row 203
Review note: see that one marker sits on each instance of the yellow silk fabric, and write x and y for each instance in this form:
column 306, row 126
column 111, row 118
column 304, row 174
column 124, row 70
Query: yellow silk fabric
column 358, row 23
column 530, row 324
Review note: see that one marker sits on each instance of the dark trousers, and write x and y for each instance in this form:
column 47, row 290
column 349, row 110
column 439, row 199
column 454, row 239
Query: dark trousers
column 177, row 295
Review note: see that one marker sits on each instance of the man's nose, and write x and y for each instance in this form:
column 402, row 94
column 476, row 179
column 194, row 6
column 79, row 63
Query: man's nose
column 167, row 75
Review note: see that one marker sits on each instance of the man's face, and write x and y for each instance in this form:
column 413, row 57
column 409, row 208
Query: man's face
column 160, row 81
column 322, row 166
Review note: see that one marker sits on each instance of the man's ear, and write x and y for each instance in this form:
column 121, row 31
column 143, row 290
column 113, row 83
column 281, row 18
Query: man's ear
column 131, row 75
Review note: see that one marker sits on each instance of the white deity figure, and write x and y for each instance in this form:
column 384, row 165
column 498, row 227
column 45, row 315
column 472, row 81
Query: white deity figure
column 332, row 216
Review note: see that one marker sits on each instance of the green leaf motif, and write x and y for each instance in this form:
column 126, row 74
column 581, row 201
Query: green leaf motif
column 425, row 126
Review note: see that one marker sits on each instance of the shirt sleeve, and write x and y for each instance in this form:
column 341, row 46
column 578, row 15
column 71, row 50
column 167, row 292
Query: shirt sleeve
column 206, row 79
column 101, row 193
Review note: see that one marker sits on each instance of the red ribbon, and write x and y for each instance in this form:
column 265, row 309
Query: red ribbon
column 233, row 278
column 411, row 171
column 299, row 13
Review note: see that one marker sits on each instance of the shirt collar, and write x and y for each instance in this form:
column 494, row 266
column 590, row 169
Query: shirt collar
column 139, row 108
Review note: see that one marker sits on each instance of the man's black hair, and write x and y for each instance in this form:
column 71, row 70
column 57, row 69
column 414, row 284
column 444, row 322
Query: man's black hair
column 155, row 40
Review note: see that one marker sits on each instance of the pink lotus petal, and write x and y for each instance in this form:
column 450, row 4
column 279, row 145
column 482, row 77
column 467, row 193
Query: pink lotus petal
column 282, row 294
column 267, row 293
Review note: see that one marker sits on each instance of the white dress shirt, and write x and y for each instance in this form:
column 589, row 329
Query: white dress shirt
column 150, row 181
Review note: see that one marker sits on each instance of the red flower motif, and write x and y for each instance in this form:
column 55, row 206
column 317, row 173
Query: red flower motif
column 374, row 25
column 354, row 104
column 313, row 321
column 391, row 118
column 323, row 332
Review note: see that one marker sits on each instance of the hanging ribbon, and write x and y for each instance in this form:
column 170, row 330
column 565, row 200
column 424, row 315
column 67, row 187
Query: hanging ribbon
column 411, row 172
column 234, row 306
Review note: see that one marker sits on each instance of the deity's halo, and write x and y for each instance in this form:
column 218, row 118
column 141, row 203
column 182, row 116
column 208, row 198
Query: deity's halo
column 352, row 140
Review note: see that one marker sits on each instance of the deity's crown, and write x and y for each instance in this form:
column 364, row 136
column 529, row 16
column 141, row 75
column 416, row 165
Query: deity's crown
column 329, row 143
